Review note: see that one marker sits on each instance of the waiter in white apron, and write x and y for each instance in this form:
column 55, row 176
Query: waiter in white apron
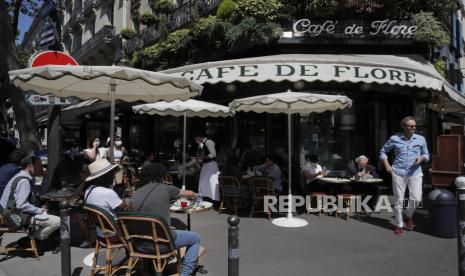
column 208, row 180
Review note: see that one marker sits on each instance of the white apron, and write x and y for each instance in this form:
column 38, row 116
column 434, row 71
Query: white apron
column 208, row 181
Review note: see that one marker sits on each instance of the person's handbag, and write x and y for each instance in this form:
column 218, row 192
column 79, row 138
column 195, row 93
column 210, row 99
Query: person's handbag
column 14, row 218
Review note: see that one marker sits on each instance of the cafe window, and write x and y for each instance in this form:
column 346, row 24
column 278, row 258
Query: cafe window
column 331, row 136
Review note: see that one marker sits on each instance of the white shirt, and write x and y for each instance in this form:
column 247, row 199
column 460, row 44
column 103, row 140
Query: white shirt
column 103, row 197
column 210, row 146
column 312, row 168
column 100, row 153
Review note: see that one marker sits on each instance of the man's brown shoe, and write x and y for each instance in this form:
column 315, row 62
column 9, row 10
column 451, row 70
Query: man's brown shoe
column 399, row 231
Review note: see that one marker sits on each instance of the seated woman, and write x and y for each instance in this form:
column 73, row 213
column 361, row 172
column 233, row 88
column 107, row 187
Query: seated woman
column 311, row 172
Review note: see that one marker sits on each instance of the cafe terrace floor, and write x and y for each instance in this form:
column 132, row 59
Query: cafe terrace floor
column 327, row 246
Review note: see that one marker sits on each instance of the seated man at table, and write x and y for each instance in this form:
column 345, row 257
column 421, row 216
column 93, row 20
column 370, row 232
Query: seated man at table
column 25, row 201
column 311, row 172
column 154, row 197
column 271, row 169
column 361, row 168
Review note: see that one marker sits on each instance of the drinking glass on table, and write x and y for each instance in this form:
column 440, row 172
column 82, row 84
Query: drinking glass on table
column 324, row 171
column 183, row 202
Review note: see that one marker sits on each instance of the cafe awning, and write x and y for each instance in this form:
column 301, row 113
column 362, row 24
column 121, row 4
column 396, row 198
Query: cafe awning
column 405, row 70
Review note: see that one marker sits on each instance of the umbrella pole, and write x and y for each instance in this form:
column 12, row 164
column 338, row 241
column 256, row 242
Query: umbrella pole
column 289, row 221
column 112, row 119
column 289, row 143
column 184, row 152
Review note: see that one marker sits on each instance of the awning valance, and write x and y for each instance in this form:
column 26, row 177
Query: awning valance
column 407, row 71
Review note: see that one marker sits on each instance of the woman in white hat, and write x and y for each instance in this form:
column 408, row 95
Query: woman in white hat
column 98, row 192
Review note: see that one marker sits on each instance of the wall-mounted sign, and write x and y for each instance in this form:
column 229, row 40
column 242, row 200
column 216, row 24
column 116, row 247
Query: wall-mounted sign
column 393, row 29
column 47, row 33
column 35, row 99
column 47, row 8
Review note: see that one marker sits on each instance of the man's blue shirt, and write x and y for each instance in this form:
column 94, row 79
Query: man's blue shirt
column 406, row 151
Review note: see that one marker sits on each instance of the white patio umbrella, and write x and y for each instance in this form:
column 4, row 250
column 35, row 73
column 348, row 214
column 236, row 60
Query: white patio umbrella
column 189, row 108
column 291, row 103
column 107, row 83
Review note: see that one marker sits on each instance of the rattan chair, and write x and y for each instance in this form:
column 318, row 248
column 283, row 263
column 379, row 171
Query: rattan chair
column 32, row 241
column 260, row 187
column 149, row 238
column 231, row 190
column 108, row 238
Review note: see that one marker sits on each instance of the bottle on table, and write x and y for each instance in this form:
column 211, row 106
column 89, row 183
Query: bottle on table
column 198, row 200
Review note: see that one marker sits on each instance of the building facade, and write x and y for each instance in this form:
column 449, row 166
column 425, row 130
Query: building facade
column 93, row 31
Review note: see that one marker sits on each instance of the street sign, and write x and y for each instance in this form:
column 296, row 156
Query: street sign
column 35, row 99
column 47, row 33
column 51, row 58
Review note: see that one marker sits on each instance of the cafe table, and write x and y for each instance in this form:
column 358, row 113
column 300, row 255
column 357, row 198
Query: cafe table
column 59, row 195
column 367, row 180
column 190, row 209
column 335, row 180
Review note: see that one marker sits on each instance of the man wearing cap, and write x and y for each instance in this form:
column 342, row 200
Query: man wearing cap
column 208, row 179
column 30, row 167
column 98, row 193
column 410, row 152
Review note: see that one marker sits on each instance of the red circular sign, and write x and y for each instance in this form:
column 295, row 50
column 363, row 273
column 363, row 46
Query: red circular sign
column 52, row 58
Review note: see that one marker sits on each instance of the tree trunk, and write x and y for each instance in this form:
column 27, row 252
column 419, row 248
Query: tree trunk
column 24, row 115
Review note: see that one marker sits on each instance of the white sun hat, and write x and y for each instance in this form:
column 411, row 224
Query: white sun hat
column 99, row 168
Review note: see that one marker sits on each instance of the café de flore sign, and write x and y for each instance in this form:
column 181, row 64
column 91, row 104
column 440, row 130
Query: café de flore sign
column 386, row 28
column 412, row 71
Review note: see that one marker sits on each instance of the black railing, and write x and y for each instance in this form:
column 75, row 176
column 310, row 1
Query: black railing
column 184, row 14
column 107, row 32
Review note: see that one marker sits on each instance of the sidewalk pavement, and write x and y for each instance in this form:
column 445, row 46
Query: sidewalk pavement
column 327, row 246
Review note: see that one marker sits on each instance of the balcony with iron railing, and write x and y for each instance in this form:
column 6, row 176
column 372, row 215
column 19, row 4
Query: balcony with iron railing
column 184, row 14
column 89, row 6
column 76, row 18
column 106, row 34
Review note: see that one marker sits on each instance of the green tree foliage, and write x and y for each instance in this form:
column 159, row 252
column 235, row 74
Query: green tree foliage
column 440, row 65
column 167, row 53
column 128, row 33
column 23, row 56
column 262, row 11
column 225, row 10
column 250, row 32
column 242, row 25
column 430, row 30
column 148, row 18
column 163, row 6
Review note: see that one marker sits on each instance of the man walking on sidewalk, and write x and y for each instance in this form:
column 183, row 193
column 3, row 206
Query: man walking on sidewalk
column 410, row 152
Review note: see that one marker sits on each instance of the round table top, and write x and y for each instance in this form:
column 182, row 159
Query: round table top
column 58, row 195
column 367, row 180
column 205, row 206
column 336, row 180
